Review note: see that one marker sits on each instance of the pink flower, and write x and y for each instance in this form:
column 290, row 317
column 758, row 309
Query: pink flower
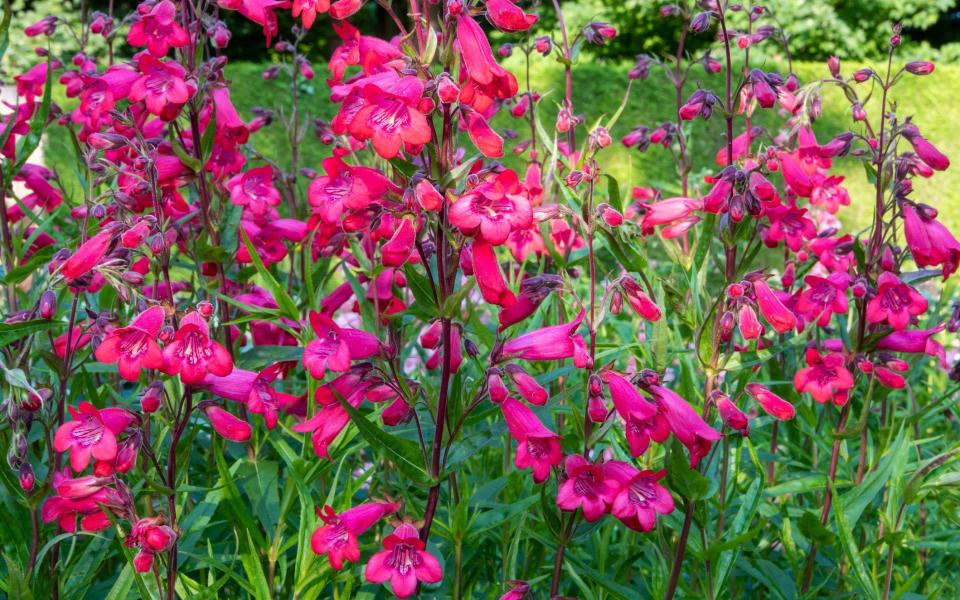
column 685, row 423
column 641, row 419
column 482, row 80
column 397, row 249
column 824, row 297
column 403, row 562
column 487, row 141
column 386, row 110
column 549, row 343
column 254, row 190
column 93, row 433
column 586, row 487
column 895, row 303
column 330, row 420
column 493, row 208
column 193, row 354
column 639, row 498
column 308, row 10
column 507, row 16
column 915, row 341
column 135, row 347
column 337, row 537
column 335, row 347
column 667, row 211
column 88, row 255
column 772, row 404
column 537, row 446
column 486, row 270
column 779, row 316
column 931, row 244
column 927, row 152
column 789, row 225
column 639, row 301
column 748, row 323
column 161, row 87
column 158, row 30
column 731, row 415
column 344, row 186
column 527, row 386
column 825, row 377
column 227, row 425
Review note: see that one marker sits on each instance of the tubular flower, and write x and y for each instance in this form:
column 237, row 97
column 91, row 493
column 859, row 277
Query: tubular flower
column 135, row 347
column 161, row 87
column 254, row 190
column 486, row 270
column 931, row 244
column 825, row 377
column 824, row 297
column 895, row 303
column 507, row 16
column 482, row 79
column 337, row 537
column 772, row 404
column 227, row 425
column 92, row 433
column 641, row 419
column 779, row 316
column 346, row 187
column 537, row 446
column 685, row 423
column 192, row 354
column 403, row 562
column 88, row 255
column 549, row 343
column 385, row 110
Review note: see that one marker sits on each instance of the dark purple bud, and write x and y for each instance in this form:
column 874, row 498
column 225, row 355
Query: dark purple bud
column 919, row 67
column 701, row 21
column 48, row 304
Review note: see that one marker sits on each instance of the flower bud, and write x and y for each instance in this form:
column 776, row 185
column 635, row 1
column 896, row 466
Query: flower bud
column 859, row 288
column 862, row 75
column 495, row 386
column 919, row 67
column 150, row 400
column 833, row 63
column 543, row 44
column 730, row 414
column 616, row 302
column 505, row 50
column 595, row 385
column 205, row 308
column 48, row 304
column 26, row 477
column 701, row 21
column 597, row 409
column 727, row 323
column 858, row 113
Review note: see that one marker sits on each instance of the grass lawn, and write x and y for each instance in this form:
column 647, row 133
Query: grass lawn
column 598, row 91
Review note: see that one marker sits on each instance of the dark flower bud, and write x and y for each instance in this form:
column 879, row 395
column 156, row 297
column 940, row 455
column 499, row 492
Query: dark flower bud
column 470, row 348
column 833, row 63
column 26, row 477
column 669, row 10
column 862, row 75
column 701, row 21
column 919, row 67
column 598, row 33
column 505, row 50
column 616, row 302
column 48, row 304
column 596, row 385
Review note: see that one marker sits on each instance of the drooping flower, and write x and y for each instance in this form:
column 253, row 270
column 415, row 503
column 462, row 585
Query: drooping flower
column 771, row 403
column 537, row 446
column 915, row 341
column 397, row 249
column 667, row 211
column 825, row 378
column 731, row 415
column 779, row 316
column 486, row 270
column 346, row 187
column 639, row 301
column 226, row 424
column 493, row 208
column 685, row 423
column 507, row 16
column 586, row 487
column 482, row 79
column 335, row 347
column 931, row 244
column 403, row 562
column 640, row 498
column 192, row 354
column 641, row 419
column 92, row 433
column 88, row 255
column 158, row 30
column 895, row 303
column 556, row 342
column 527, row 386
column 337, row 537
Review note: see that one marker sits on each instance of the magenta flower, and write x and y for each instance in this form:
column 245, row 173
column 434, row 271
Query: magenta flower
column 337, row 537
column 330, row 420
column 335, row 347
column 748, row 323
column 385, row 109
column 639, row 301
column 927, row 152
column 135, row 347
column 931, row 244
column 771, row 403
column 685, row 423
column 403, row 562
column 779, row 316
column 895, row 303
column 788, row 224
column 192, row 354
column 486, row 270
column 482, row 79
column 667, row 211
column 824, row 297
column 537, row 446
column 158, row 30
column 641, row 418
column 345, row 186
column 825, row 377
column 88, row 255
column 527, row 386
column 254, row 190
column 639, row 498
column 92, row 432
column 586, row 487
column 550, row 343
column 493, row 208
column 731, row 415
column 161, row 87
column 915, row 341
column 226, row 424
column 507, row 16
column 397, row 249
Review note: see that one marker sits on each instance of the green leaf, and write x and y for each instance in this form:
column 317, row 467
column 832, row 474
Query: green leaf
column 404, row 453
column 5, row 29
column 21, row 272
column 687, row 482
column 121, row 587
column 852, row 550
column 252, row 566
column 18, row 587
column 11, row 332
column 809, row 525
column 287, row 306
